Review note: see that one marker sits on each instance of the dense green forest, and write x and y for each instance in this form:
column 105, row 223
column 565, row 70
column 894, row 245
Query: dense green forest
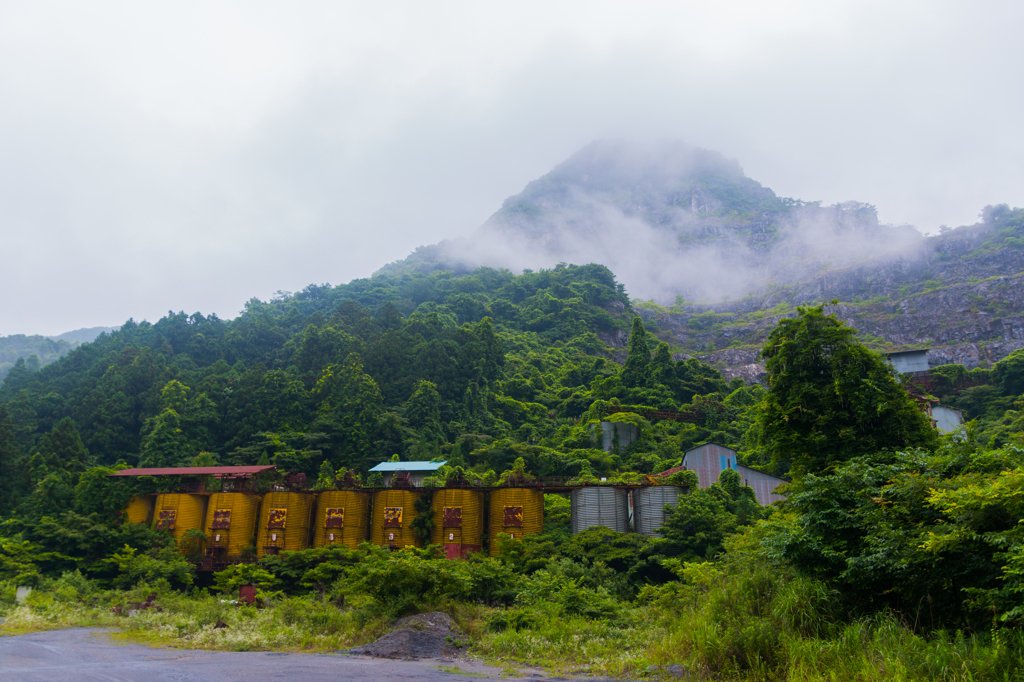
column 897, row 549
column 34, row 351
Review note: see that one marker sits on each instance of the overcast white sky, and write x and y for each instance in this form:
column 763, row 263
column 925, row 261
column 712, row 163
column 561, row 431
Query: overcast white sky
column 191, row 155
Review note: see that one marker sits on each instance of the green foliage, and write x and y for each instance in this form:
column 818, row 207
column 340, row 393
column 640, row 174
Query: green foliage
column 1008, row 373
column 890, row 532
column 403, row 581
column 636, row 371
column 423, row 524
column 231, row 578
column 830, row 399
column 161, row 566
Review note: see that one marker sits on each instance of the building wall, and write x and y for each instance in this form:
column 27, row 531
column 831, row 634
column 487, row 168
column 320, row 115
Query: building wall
column 627, row 433
column 415, row 477
column 916, row 361
column 762, row 483
column 946, row 418
column 709, row 460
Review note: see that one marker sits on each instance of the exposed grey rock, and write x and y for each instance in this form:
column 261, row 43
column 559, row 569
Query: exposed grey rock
column 426, row 635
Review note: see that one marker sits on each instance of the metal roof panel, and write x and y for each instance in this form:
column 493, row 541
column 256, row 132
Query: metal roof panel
column 408, row 466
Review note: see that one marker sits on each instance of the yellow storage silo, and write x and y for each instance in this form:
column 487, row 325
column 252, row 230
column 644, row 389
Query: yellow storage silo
column 458, row 521
column 179, row 513
column 342, row 518
column 516, row 512
column 139, row 509
column 284, row 522
column 230, row 522
column 393, row 513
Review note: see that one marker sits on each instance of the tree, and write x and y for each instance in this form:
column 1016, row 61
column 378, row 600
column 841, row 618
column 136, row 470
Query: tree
column 59, row 451
column 1008, row 373
column 350, row 405
column 662, row 367
column 830, row 398
column 423, row 410
column 636, row 371
column 164, row 444
column 8, row 462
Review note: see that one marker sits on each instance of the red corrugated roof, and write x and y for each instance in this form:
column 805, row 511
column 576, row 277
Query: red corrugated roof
column 219, row 472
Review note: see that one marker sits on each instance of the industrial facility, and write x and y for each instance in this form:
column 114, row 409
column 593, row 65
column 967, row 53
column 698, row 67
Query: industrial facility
column 711, row 459
column 255, row 513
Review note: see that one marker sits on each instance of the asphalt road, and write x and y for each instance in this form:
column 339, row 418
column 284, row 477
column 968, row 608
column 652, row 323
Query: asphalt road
column 86, row 655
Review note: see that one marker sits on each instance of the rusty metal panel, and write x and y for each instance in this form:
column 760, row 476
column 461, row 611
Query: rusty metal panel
column 277, row 518
column 453, row 551
column 165, row 519
column 335, row 518
column 393, row 517
column 221, row 519
column 247, row 593
column 514, row 517
column 708, row 461
column 764, row 485
column 453, row 517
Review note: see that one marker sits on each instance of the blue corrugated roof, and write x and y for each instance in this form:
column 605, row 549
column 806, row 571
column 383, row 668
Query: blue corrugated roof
column 408, row 466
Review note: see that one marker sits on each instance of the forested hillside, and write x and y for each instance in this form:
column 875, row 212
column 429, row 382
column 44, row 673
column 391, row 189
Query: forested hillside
column 478, row 369
column 41, row 350
column 898, row 553
column 508, row 375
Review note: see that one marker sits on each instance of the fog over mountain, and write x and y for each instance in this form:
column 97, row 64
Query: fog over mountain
column 671, row 220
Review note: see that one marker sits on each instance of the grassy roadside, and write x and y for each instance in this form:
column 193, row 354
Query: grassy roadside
column 756, row 626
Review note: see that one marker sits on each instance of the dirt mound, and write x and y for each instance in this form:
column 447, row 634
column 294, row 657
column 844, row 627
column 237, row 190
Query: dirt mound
column 427, row 635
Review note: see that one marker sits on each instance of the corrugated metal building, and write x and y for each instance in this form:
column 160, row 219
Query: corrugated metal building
column 417, row 471
column 617, row 435
column 909, row 361
column 711, row 459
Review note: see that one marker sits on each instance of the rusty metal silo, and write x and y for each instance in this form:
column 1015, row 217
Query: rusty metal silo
column 458, row 521
column 599, row 506
column 515, row 512
column 139, row 509
column 179, row 513
column 342, row 518
column 393, row 513
column 284, row 522
column 230, row 523
column 649, row 507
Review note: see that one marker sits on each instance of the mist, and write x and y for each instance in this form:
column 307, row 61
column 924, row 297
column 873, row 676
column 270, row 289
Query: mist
column 192, row 156
column 674, row 223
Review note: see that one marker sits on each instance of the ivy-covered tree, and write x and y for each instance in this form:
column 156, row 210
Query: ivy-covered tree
column 636, row 370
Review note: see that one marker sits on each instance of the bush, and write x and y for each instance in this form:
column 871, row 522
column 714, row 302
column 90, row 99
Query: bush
column 156, row 566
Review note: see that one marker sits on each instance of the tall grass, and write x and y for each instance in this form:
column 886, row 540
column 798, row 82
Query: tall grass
column 739, row 619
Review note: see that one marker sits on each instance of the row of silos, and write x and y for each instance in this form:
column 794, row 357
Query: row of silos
column 287, row 521
column 610, row 507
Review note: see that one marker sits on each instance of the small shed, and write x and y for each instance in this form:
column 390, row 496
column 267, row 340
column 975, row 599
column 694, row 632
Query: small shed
column 417, row 471
column 708, row 461
column 909, row 361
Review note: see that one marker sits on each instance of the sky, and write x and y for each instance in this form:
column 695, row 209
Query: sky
column 193, row 155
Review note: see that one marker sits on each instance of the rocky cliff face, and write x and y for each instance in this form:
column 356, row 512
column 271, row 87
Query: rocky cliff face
column 685, row 227
column 960, row 294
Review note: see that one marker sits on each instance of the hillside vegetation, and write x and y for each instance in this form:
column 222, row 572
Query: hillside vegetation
column 898, row 554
